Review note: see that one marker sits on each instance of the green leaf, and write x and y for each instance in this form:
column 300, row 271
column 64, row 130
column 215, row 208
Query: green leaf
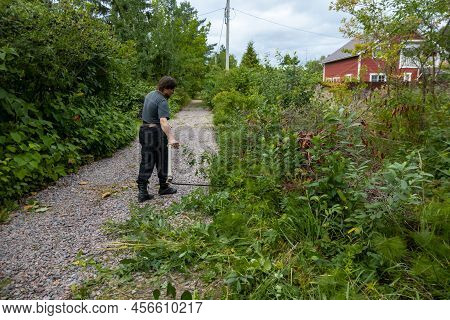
column 48, row 141
column 267, row 265
column 403, row 185
column 3, row 94
column 238, row 286
column 186, row 295
column 171, row 291
column 156, row 294
column 20, row 160
column 33, row 164
column 36, row 156
column 60, row 170
column 21, row 173
column 16, row 136
column 127, row 261
column 11, row 148
column 341, row 195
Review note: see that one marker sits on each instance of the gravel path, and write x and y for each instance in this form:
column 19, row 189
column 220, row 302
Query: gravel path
column 40, row 243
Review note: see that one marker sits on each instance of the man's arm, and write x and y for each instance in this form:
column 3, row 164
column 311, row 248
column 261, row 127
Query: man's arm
column 168, row 131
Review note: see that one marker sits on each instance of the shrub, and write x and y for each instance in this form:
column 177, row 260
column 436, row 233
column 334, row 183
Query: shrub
column 64, row 93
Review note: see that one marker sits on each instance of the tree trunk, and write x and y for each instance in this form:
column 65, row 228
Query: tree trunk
column 433, row 79
column 424, row 100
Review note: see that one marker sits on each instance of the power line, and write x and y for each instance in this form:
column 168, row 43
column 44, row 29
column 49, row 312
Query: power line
column 286, row 26
column 204, row 14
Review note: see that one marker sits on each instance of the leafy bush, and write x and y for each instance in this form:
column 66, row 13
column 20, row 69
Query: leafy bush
column 178, row 100
column 66, row 95
column 308, row 208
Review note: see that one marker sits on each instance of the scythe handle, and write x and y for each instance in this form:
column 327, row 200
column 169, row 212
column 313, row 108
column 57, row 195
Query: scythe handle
column 169, row 164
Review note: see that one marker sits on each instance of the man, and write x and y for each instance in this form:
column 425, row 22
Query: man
column 154, row 135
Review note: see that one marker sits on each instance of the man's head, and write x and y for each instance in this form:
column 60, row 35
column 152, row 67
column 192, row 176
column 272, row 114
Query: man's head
column 167, row 85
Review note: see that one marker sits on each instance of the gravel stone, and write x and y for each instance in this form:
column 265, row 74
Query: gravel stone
column 37, row 250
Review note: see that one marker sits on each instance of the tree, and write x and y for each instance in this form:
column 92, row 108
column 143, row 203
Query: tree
column 220, row 57
column 287, row 60
column 129, row 18
column 191, row 49
column 314, row 66
column 430, row 18
column 250, row 58
column 169, row 38
column 387, row 25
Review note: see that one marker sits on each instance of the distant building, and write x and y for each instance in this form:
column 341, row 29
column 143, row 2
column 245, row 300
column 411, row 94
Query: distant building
column 342, row 65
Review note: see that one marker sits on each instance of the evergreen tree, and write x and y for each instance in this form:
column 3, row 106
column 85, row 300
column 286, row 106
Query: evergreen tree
column 219, row 59
column 250, row 58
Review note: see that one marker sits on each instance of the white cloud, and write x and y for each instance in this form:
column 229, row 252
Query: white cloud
column 309, row 15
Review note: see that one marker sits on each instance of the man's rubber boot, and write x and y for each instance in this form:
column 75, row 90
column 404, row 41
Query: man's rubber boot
column 164, row 189
column 143, row 194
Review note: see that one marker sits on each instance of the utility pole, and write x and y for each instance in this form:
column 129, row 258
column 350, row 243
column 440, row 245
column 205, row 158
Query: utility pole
column 227, row 21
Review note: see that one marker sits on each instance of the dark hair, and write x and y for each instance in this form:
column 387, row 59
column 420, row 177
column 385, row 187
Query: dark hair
column 167, row 82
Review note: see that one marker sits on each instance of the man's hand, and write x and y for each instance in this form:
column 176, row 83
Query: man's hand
column 174, row 143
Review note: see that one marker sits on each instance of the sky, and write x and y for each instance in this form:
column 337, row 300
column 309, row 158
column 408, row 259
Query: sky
column 309, row 15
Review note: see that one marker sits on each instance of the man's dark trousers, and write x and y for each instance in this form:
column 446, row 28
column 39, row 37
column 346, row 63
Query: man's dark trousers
column 154, row 151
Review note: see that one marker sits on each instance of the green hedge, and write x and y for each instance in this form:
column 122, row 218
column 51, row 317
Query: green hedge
column 68, row 93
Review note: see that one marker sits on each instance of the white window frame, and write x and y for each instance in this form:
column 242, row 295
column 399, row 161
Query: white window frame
column 336, row 79
column 407, row 76
column 349, row 76
column 409, row 62
column 378, row 77
column 376, row 52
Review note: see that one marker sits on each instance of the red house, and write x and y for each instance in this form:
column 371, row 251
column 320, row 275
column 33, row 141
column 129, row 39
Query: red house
column 342, row 65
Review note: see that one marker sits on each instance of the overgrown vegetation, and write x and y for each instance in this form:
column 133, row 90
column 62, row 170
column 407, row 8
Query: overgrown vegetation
column 72, row 82
column 317, row 194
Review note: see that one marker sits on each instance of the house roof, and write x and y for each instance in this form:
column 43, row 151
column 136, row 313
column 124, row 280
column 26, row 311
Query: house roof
column 340, row 54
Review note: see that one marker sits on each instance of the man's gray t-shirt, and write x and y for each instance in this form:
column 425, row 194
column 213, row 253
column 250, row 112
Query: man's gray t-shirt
column 155, row 107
